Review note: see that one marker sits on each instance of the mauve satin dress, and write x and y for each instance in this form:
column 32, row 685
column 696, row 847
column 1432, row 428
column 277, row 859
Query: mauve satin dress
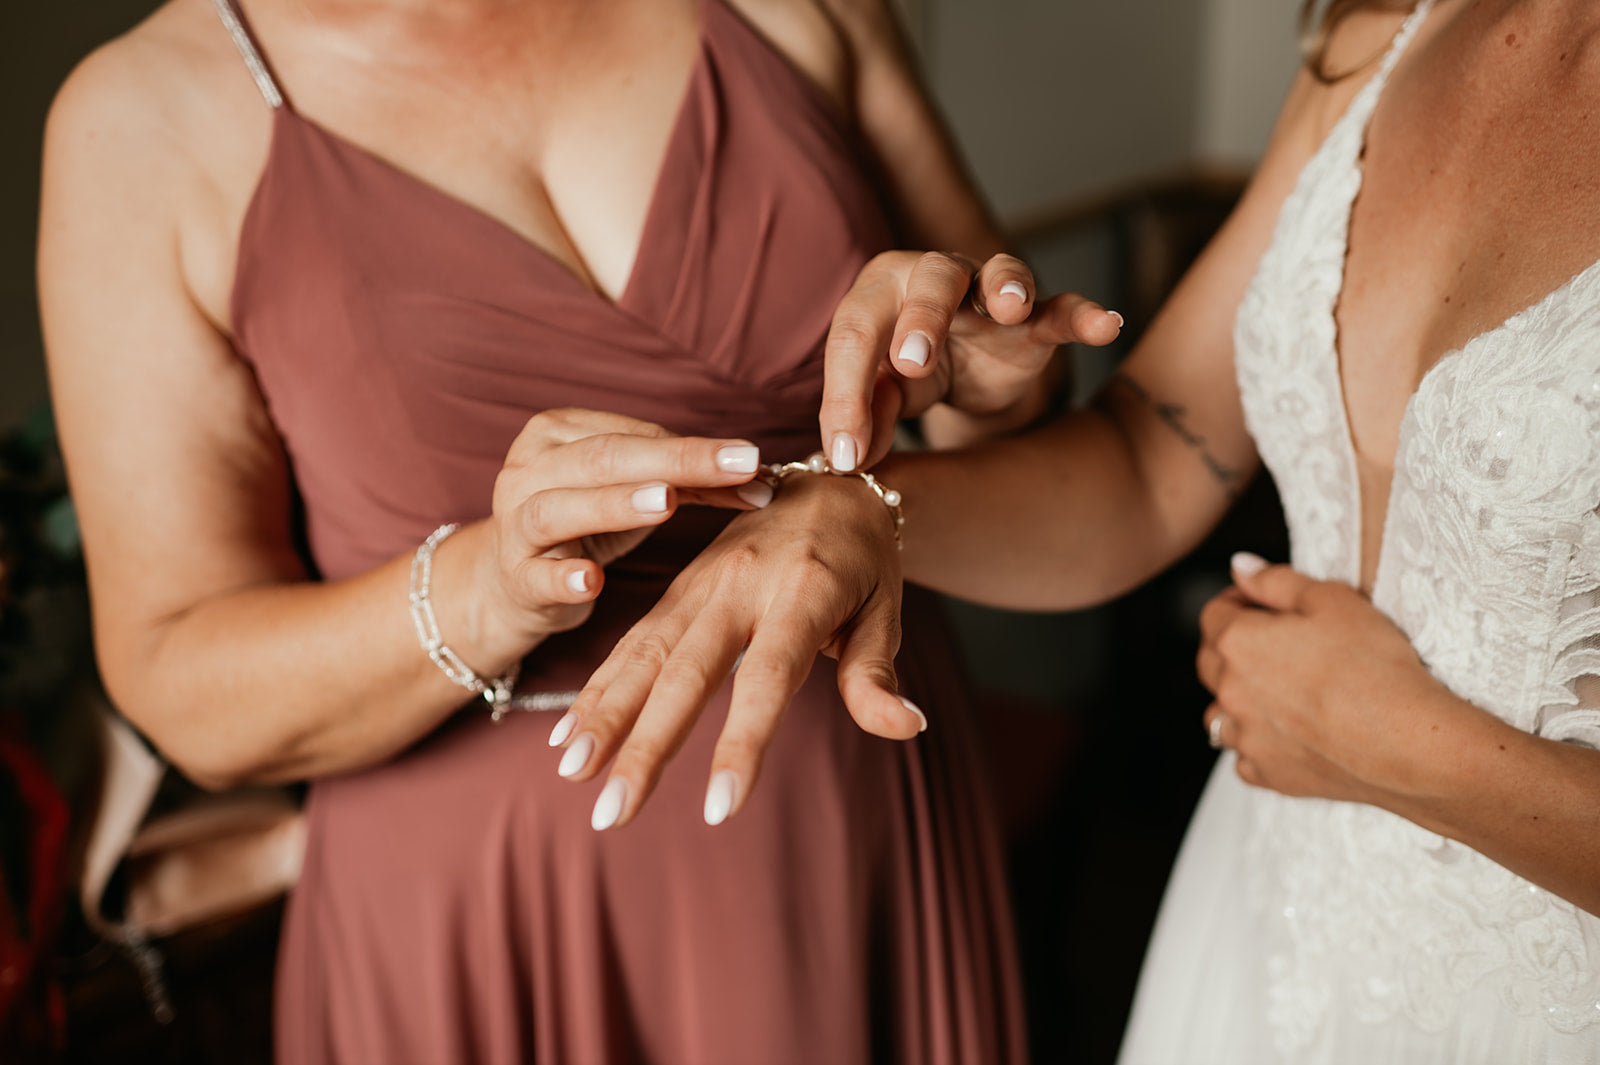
column 455, row 905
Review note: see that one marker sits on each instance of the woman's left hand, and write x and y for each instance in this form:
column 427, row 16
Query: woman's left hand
column 816, row 570
column 1318, row 692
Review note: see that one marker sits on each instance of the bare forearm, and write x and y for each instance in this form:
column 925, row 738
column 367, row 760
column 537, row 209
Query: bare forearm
column 1530, row 804
column 1059, row 518
column 289, row 681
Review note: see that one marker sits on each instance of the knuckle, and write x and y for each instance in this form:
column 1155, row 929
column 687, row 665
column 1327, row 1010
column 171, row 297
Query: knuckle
column 765, row 672
column 649, row 649
column 879, row 671
column 599, row 461
column 851, row 331
column 1227, row 641
column 742, row 562
column 929, row 309
column 684, row 675
column 537, row 515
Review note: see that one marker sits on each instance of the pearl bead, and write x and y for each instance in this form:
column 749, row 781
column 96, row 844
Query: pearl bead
column 892, row 498
column 817, row 463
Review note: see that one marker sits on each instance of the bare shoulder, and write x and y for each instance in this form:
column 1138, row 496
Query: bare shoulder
column 151, row 143
column 808, row 35
column 148, row 82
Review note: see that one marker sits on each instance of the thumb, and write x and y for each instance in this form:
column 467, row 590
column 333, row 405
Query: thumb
column 867, row 679
column 1274, row 587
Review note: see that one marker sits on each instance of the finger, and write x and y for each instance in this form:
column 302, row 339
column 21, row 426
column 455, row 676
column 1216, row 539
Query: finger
column 866, row 677
column 548, row 581
column 1221, row 728
column 888, row 403
column 694, row 671
column 752, row 495
column 1208, row 666
column 563, row 425
column 1073, row 319
column 559, row 515
column 775, row 665
column 623, row 458
column 610, row 702
column 934, row 292
column 1221, row 611
column 1279, row 588
column 858, row 341
column 1005, row 290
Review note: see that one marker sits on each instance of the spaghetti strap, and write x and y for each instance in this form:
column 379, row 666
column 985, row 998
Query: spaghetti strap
column 233, row 20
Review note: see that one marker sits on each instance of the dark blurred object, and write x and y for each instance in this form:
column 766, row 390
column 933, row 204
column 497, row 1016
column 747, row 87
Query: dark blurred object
column 173, row 963
column 217, row 979
column 38, row 553
column 43, row 634
column 1161, row 229
column 1126, row 758
column 33, row 847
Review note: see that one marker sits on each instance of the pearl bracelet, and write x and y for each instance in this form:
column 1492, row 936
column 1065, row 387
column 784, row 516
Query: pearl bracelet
column 496, row 691
column 818, row 463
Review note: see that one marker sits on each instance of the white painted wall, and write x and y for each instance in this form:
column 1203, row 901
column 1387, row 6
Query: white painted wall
column 1058, row 100
column 1249, row 60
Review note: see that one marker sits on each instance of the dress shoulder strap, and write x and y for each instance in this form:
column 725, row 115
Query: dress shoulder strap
column 234, row 22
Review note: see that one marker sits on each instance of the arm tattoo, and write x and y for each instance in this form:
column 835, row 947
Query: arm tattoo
column 1172, row 415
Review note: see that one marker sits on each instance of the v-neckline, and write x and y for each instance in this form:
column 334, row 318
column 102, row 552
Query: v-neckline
column 1336, row 354
column 483, row 218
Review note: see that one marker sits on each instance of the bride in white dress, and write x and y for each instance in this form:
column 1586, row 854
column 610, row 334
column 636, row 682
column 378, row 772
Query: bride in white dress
column 1398, row 858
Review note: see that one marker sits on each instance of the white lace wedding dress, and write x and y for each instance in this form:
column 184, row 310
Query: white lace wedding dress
column 1322, row 933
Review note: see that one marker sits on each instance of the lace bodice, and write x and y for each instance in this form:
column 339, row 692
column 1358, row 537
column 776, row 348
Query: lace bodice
column 1490, row 563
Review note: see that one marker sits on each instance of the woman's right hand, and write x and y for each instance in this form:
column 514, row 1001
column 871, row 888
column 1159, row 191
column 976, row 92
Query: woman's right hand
column 907, row 336
column 581, row 488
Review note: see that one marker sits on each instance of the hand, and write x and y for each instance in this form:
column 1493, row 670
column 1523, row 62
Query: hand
column 1318, row 692
column 906, row 337
column 580, row 489
column 817, row 570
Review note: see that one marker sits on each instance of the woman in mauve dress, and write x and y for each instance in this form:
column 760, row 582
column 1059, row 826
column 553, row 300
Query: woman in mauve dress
column 322, row 277
column 1396, row 861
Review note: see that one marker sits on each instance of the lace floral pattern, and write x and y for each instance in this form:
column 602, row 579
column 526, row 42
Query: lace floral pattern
column 1490, row 563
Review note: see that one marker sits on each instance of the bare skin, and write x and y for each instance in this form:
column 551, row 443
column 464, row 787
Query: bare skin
column 209, row 635
column 1479, row 198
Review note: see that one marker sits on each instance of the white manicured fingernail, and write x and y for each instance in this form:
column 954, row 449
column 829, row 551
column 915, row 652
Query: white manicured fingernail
column 844, row 453
column 756, row 493
column 719, row 796
column 738, row 458
column 1118, row 317
column 651, row 499
column 915, row 349
column 1014, row 288
column 578, row 581
column 577, row 756
column 1247, row 564
column 563, row 729
column 909, row 705
column 608, row 807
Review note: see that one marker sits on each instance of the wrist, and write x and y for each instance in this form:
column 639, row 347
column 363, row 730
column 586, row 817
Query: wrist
column 817, row 468
column 476, row 615
column 1446, row 762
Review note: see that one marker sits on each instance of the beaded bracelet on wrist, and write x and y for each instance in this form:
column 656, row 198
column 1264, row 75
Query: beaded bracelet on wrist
column 818, row 463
